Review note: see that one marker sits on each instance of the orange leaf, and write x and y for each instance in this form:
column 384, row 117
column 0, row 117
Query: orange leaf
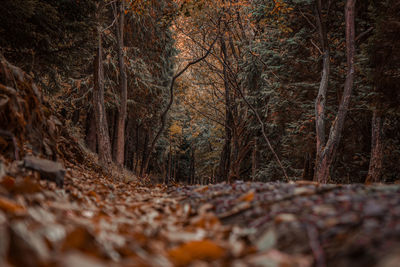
column 247, row 197
column 8, row 205
column 8, row 182
column 95, row 195
column 196, row 250
column 27, row 186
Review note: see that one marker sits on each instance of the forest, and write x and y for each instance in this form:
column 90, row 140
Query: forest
column 199, row 133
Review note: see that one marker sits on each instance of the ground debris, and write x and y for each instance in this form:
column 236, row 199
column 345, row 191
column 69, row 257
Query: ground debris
column 269, row 224
column 50, row 170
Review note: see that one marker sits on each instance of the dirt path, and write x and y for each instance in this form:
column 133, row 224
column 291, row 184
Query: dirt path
column 95, row 221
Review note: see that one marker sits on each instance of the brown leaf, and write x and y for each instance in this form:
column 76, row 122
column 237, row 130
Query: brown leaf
column 95, row 195
column 196, row 250
column 247, row 197
column 10, row 206
column 8, row 182
column 27, row 186
column 80, row 239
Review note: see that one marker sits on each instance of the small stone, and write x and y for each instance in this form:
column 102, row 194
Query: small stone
column 267, row 240
column 49, row 170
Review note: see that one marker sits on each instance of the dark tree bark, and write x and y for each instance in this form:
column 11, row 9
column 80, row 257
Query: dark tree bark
column 119, row 14
column 145, row 154
column 91, row 136
column 225, row 158
column 328, row 153
column 376, row 160
column 323, row 87
column 103, row 139
column 135, row 168
column 112, row 123
column 192, row 167
column 254, row 159
column 308, row 168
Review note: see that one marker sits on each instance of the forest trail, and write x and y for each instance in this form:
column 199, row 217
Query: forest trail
column 92, row 217
column 96, row 221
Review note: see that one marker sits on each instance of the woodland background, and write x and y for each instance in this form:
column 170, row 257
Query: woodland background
column 108, row 68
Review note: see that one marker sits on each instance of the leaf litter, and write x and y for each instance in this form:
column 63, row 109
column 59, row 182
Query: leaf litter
column 98, row 221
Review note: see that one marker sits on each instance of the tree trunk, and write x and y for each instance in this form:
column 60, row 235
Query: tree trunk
column 145, row 154
column 112, row 123
column 329, row 151
column 91, row 135
column 308, row 168
column 254, row 159
column 323, row 87
column 225, row 159
column 103, row 139
column 192, row 167
column 122, row 108
column 137, row 149
column 376, row 160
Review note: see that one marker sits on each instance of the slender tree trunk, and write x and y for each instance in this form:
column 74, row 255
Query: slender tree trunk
column 376, row 160
column 129, row 147
column 169, row 165
column 103, row 139
column 174, row 163
column 254, row 159
column 323, row 87
column 225, row 159
column 145, row 154
column 91, row 135
column 122, row 108
column 308, row 168
column 137, row 149
column 329, row 152
column 192, row 167
column 113, row 123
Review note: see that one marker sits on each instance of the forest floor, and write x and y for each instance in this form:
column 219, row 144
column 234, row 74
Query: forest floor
column 97, row 221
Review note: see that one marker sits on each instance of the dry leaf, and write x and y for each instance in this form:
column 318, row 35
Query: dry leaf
column 10, row 206
column 248, row 196
column 7, row 182
column 196, row 250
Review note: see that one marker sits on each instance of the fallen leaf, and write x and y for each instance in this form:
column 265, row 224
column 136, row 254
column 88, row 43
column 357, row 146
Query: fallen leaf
column 201, row 189
column 285, row 217
column 196, row 250
column 27, row 186
column 7, row 182
column 10, row 206
column 247, row 197
column 303, row 191
column 95, row 195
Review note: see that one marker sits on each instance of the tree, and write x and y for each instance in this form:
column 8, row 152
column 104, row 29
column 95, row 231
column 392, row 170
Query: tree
column 328, row 152
column 384, row 59
column 119, row 16
column 104, row 146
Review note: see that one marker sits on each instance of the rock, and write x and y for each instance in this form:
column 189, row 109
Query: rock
column 49, row 170
column 267, row 240
column 2, row 170
column 5, row 238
